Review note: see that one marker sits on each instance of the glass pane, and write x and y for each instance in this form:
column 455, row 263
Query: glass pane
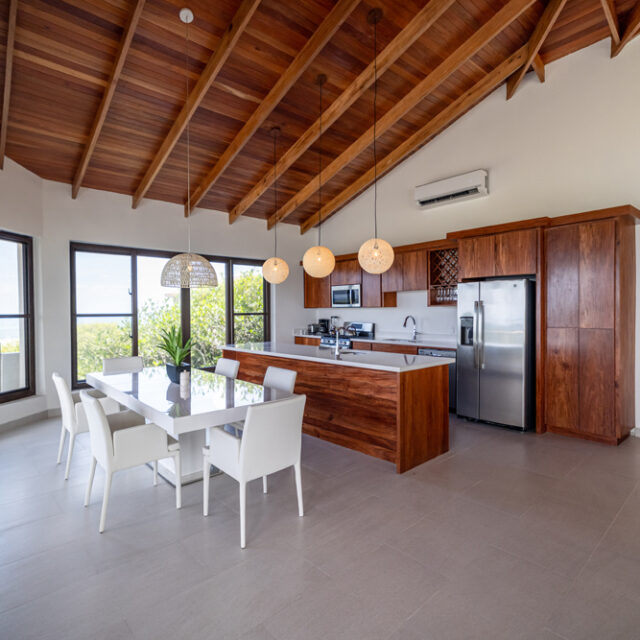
column 248, row 329
column 100, row 338
column 208, row 320
column 158, row 308
column 103, row 282
column 248, row 293
column 11, row 284
column 12, row 354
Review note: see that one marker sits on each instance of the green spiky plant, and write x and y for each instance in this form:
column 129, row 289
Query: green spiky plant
column 172, row 344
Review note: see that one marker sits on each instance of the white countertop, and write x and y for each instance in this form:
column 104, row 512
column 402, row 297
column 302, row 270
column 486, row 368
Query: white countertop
column 436, row 340
column 382, row 361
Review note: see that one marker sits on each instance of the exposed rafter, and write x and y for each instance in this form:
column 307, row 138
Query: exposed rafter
column 8, row 68
column 228, row 41
column 536, row 41
column 631, row 31
column 103, row 109
column 435, row 126
column 311, row 49
column 452, row 63
column 420, row 23
column 610, row 13
column 538, row 67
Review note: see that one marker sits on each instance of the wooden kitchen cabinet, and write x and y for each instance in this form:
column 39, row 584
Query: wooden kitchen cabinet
column 317, row 292
column 414, row 270
column 360, row 346
column 563, row 264
column 516, row 253
column 306, row 340
column 392, row 278
column 371, row 289
column 477, row 257
column 562, row 365
column 394, row 348
column 346, row 272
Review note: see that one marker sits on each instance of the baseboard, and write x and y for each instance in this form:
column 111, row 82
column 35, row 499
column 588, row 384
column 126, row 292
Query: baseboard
column 21, row 422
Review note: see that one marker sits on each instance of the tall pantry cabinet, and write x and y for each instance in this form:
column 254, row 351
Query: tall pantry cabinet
column 590, row 312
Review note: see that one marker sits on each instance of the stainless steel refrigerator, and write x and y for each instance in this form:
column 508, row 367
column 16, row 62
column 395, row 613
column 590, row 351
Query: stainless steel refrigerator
column 496, row 354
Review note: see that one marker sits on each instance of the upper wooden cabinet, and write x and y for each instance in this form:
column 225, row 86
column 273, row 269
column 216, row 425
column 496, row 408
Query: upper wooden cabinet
column 317, row 292
column 371, row 289
column 414, row 270
column 392, row 278
column 562, row 250
column 346, row 272
column 513, row 253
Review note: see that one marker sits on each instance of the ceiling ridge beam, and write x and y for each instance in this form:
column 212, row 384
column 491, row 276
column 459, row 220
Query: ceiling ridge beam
column 539, row 35
column 632, row 30
column 216, row 61
column 407, row 37
column 8, row 71
column 538, row 66
column 446, row 68
column 340, row 12
column 430, row 130
column 107, row 97
column 610, row 13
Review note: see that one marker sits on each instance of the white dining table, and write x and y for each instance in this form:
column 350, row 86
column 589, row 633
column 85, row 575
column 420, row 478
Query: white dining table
column 212, row 400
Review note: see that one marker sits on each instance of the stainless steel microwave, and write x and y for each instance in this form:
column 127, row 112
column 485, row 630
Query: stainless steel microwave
column 345, row 295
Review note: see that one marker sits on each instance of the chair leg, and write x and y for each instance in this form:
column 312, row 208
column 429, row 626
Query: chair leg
column 205, row 486
column 63, row 433
column 155, row 473
column 264, row 484
column 298, row 475
column 92, row 473
column 243, row 514
column 105, row 500
column 72, row 439
column 178, row 467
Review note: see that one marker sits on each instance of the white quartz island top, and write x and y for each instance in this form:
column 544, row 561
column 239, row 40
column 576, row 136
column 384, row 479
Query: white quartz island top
column 382, row 361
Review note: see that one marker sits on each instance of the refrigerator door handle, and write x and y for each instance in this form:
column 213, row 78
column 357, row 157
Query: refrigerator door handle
column 476, row 355
column 480, row 334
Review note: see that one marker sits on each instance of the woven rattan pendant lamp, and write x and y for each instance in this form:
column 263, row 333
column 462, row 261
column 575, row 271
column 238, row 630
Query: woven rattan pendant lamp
column 188, row 270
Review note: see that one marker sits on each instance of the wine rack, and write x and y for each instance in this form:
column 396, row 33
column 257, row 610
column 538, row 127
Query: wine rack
column 443, row 277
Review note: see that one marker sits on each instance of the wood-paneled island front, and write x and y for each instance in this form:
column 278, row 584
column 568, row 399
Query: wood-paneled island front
column 387, row 405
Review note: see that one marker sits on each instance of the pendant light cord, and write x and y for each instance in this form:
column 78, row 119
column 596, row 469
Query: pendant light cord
column 375, row 119
column 274, row 132
column 186, row 67
column 320, row 82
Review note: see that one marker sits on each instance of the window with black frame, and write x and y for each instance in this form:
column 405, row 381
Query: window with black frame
column 119, row 307
column 17, row 341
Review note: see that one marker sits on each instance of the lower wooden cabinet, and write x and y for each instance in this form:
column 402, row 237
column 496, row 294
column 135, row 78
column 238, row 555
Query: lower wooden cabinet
column 360, row 346
column 562, row 366
column 313, row 342
column 394, row 348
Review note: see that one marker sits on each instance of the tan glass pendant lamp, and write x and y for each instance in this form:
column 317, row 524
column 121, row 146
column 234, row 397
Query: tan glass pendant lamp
column 275, row 270
column 375, row 255
column 319, row 261
column 188, row 270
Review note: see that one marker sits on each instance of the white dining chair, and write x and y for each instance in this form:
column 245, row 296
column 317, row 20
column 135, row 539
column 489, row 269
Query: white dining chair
column 272, row 441
column 130, row 443
column 227, row 367
column 281, row 379
column 130, row 364
column 73, row 416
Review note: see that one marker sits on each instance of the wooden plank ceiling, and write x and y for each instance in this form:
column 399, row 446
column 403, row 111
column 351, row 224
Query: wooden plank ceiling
column 437, row 59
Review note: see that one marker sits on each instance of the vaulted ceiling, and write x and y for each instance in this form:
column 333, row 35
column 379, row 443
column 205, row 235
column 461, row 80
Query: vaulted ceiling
column 94, row 91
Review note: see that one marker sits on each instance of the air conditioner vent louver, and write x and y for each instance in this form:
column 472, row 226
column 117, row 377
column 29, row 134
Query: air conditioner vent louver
column 463, row 187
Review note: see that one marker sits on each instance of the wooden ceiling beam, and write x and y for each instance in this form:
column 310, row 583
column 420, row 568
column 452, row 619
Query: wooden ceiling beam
column 448, row 66
column 610, row 13
column 8, row 69
column 538, row 67
column 107, row 97
column 631, row 31
column 340, row 12
column 536, row 41
column 228, row 41
column 405, row 39
column 435, row 126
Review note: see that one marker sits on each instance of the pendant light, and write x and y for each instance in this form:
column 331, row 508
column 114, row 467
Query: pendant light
column 319, row 261
column 275, row 270
column 375, row 255
column 188, row 270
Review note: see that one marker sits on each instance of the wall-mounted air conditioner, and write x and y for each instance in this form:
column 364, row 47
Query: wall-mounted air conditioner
column 474, row 184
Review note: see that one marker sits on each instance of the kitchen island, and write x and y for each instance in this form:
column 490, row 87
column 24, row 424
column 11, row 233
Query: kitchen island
column 388, row 405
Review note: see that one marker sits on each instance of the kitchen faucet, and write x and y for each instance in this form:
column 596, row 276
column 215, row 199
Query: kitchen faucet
column 337, row 349
column 415, row 328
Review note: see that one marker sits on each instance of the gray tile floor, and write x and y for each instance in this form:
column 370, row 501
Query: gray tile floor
column 509, row 536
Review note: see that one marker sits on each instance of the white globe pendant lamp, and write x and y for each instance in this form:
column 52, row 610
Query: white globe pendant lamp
column 375, row 255
column 275, row 270
column 319, row 261
column 188, row 270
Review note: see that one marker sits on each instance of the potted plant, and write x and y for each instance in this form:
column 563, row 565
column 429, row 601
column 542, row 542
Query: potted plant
column 172, row 344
